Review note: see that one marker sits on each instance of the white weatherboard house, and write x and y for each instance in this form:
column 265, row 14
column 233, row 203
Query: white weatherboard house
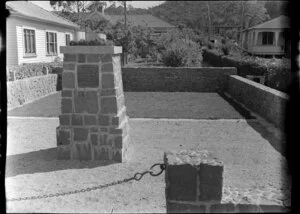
column 268, row 38
column 34, row 34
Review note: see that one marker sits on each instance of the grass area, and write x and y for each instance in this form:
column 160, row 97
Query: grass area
column 151, row 105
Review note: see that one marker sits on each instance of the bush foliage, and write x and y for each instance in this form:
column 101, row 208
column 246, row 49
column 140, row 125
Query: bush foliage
column 184, row 53
column 96, row 42
column 30, row 70
column 277, row 72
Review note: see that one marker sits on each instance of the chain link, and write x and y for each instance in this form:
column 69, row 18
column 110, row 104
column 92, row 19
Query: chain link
column 137, row 176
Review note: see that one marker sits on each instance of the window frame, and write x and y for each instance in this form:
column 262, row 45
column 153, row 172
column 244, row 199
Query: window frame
column 55, row 42
column 26, row 54
column 69, row 35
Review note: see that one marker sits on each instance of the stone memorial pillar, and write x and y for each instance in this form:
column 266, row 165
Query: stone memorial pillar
column 93, row 120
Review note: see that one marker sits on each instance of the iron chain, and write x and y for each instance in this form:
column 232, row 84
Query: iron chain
column 137, row 176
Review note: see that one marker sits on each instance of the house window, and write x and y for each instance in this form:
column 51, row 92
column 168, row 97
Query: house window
column 51, row 43
column 67, row 39
column 29, row 42
column 267, row 38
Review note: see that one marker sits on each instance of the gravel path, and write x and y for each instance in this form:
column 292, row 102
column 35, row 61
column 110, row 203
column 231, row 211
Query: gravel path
column 156, row 105
column 247, row 151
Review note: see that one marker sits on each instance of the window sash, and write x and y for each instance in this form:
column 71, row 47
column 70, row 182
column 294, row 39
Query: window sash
column 51, row 43
column 68, row 39
column 29, row 41
column 268, row 38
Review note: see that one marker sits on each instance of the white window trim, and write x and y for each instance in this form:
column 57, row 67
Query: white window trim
column 51, row 31
column 25, row 55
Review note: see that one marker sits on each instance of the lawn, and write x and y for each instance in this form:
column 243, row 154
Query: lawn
column 152, row 105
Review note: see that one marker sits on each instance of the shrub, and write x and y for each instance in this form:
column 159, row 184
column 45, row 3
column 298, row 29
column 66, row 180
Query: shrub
column 181, row 54
column 96, row 42
column 225, row 49
column 30, row 70
column 277, row 72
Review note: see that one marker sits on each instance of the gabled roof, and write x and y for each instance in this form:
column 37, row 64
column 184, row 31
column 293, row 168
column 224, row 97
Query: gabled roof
column 30, row 10
column 142, row 20
column 279, row 22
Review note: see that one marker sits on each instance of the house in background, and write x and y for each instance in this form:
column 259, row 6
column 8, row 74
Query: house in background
column 34, row 34
column 158, row 26
column 268, row 38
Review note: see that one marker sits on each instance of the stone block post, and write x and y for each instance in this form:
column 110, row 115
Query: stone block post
column 194, row 181
column 93, row 120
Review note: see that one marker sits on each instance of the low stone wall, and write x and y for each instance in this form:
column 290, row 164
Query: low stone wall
column 194, row 184
column 29, row 89
column 267, row 102
column 176, row 79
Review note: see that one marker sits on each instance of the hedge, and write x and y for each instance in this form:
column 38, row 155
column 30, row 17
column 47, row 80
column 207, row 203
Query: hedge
column 277, row 74
column 17, row 72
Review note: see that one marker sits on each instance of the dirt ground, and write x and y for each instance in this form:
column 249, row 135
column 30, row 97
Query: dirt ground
column 251, row 156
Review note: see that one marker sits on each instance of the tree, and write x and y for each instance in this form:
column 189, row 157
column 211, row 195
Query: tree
column 276, row 8
column 70, row 6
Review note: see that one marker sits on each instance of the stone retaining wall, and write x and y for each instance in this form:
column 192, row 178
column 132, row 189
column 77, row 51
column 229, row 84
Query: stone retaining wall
column 194, row 184
column 267, row 102
column 176, row 79
column 93, row 123
column 29, row 89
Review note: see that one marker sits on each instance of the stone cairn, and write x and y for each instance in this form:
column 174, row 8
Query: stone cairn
column 93, row 120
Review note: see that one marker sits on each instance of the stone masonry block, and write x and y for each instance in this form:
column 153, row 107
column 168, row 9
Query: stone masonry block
column 103, row 120
column 108, row 81
column 69, row 66
column 117, row 120
column 64, row 119
column 88, row 76
column 68, row 80
column 107, row 68
column 109, row 105
column 82, row 152
column 94, row 139
column 118, row 141
column 108, row 92
column 81, row 58
column 66, row 93
column 106, row 58
column 117, row 156
column 210, row 179
column 90, row 120
column 222, row 208
column 184, row 208
column 182, row 168
column 86, row 102
column 94, row 129
column 101, row 153
column 63, row 153
column 273, row 209
column 103, row 139
column 66, row 105
column 248, row 208
column 80, row 134
column 77, row 120
column 63, row 136
column 181, row 177
column 70, row 58
column 116, row 130
column 93, row 58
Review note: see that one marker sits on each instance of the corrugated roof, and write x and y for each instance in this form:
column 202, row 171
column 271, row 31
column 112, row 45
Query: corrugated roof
column 31, row 10
column 279, row 22
column 142, row 20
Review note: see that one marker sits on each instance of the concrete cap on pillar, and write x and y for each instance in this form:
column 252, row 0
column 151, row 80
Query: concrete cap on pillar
column 91, row 49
